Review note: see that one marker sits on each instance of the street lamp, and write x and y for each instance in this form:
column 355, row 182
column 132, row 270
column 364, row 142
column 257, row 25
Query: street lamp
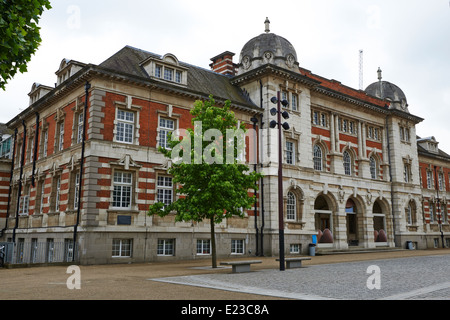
column 285, row 126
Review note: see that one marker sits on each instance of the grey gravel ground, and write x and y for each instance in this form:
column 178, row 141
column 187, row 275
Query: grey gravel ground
column 419, row 278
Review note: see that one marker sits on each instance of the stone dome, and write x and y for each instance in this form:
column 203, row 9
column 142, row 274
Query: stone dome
column 268, row 48
column 389, row 91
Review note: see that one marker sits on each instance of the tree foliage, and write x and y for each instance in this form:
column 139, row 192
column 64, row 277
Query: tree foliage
column 19, row 35
column 208, row 190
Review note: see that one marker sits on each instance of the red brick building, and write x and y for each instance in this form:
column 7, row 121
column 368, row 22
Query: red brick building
column 353, row 172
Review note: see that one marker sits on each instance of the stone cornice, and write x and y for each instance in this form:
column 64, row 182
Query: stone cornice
column 270, row 69
column 93, row 71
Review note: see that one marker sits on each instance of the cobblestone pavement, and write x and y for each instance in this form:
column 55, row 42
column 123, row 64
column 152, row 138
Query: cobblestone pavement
column 414, row 278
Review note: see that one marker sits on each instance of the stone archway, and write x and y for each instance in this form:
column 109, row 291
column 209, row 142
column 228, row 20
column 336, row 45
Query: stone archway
column 324, row 219
column 355, row 221
column 353, row 232
column 379, row 222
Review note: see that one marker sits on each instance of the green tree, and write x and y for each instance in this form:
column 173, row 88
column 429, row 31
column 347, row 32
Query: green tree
column 212, row 183
column 19, row 35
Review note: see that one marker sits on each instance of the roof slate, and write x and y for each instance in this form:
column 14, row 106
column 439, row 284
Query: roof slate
column 200, row 81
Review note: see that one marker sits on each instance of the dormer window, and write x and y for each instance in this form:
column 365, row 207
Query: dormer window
column 37, row 92
column 67, row 68
column 168, row 69
column 429, row 143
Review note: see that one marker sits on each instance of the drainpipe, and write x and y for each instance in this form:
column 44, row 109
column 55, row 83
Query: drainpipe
column 262, row 179
column 87, row 86
column 22, row 162
column 254, row 120
column 10, row 183
column 36, row 142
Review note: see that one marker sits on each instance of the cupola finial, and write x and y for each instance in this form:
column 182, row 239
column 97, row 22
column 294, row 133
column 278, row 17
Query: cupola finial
column 379, row 74
column 267, row 24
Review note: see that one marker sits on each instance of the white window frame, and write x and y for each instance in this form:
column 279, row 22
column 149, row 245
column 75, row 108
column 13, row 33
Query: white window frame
column 315, row 119
column 122, row 248
column 76, row 186
column 318, row 158
column 291, row 206
column 347, row 161
column 31, row 149
column 41, row 208
column 178, row 76
column 80, row 123
column 166, row 247
column 168, row 74
column 45, row 143
column 164, row 130
column 432, row 210
column 61, row 136
column 158, row 71
column 441, row 181
column 164, row 189
column 285, row 96
column 24, row 205
column 68, row 250
column 121, row 188
column 294, row 248
column 294, row 102
column 429, row 179
column 237, row 246
column 290, row 152
column 124, row 126
column 58, row 194
column 373, row 164
column 203, row 247
column 407, row 172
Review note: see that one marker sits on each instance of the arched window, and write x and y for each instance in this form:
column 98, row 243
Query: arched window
column 291, row 206
column 373, row 168
column 318, row 158
column 347, row 163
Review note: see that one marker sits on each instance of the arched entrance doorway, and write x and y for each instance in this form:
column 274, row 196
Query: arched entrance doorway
column 323, row 219
column 352, row 223
column 379, row 222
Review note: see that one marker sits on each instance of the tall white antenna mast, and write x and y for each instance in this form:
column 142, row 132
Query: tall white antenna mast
column 361, row 87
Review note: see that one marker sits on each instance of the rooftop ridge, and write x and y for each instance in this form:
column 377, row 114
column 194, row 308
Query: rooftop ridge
column 342, row 88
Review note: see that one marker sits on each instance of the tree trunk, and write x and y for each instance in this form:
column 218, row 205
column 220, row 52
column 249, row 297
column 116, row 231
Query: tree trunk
column 213, row 245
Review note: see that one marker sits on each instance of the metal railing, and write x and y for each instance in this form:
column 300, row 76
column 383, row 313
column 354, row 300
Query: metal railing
column 35, row 252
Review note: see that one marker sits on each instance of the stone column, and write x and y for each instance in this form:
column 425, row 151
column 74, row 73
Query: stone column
column 332, row 133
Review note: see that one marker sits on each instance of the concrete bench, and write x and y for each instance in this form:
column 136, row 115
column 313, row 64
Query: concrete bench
column 240, row 266
column 294, row 262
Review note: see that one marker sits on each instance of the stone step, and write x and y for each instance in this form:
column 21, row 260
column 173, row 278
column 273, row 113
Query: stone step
column 329, row 251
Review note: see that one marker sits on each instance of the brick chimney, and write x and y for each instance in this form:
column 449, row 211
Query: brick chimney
column 223, row 64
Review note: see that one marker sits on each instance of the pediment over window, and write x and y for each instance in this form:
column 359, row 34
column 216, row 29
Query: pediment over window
column 166, row 165
column 127, row 163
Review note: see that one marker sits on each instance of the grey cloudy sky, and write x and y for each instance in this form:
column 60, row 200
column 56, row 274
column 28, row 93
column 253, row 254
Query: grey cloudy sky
column 408, row 39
